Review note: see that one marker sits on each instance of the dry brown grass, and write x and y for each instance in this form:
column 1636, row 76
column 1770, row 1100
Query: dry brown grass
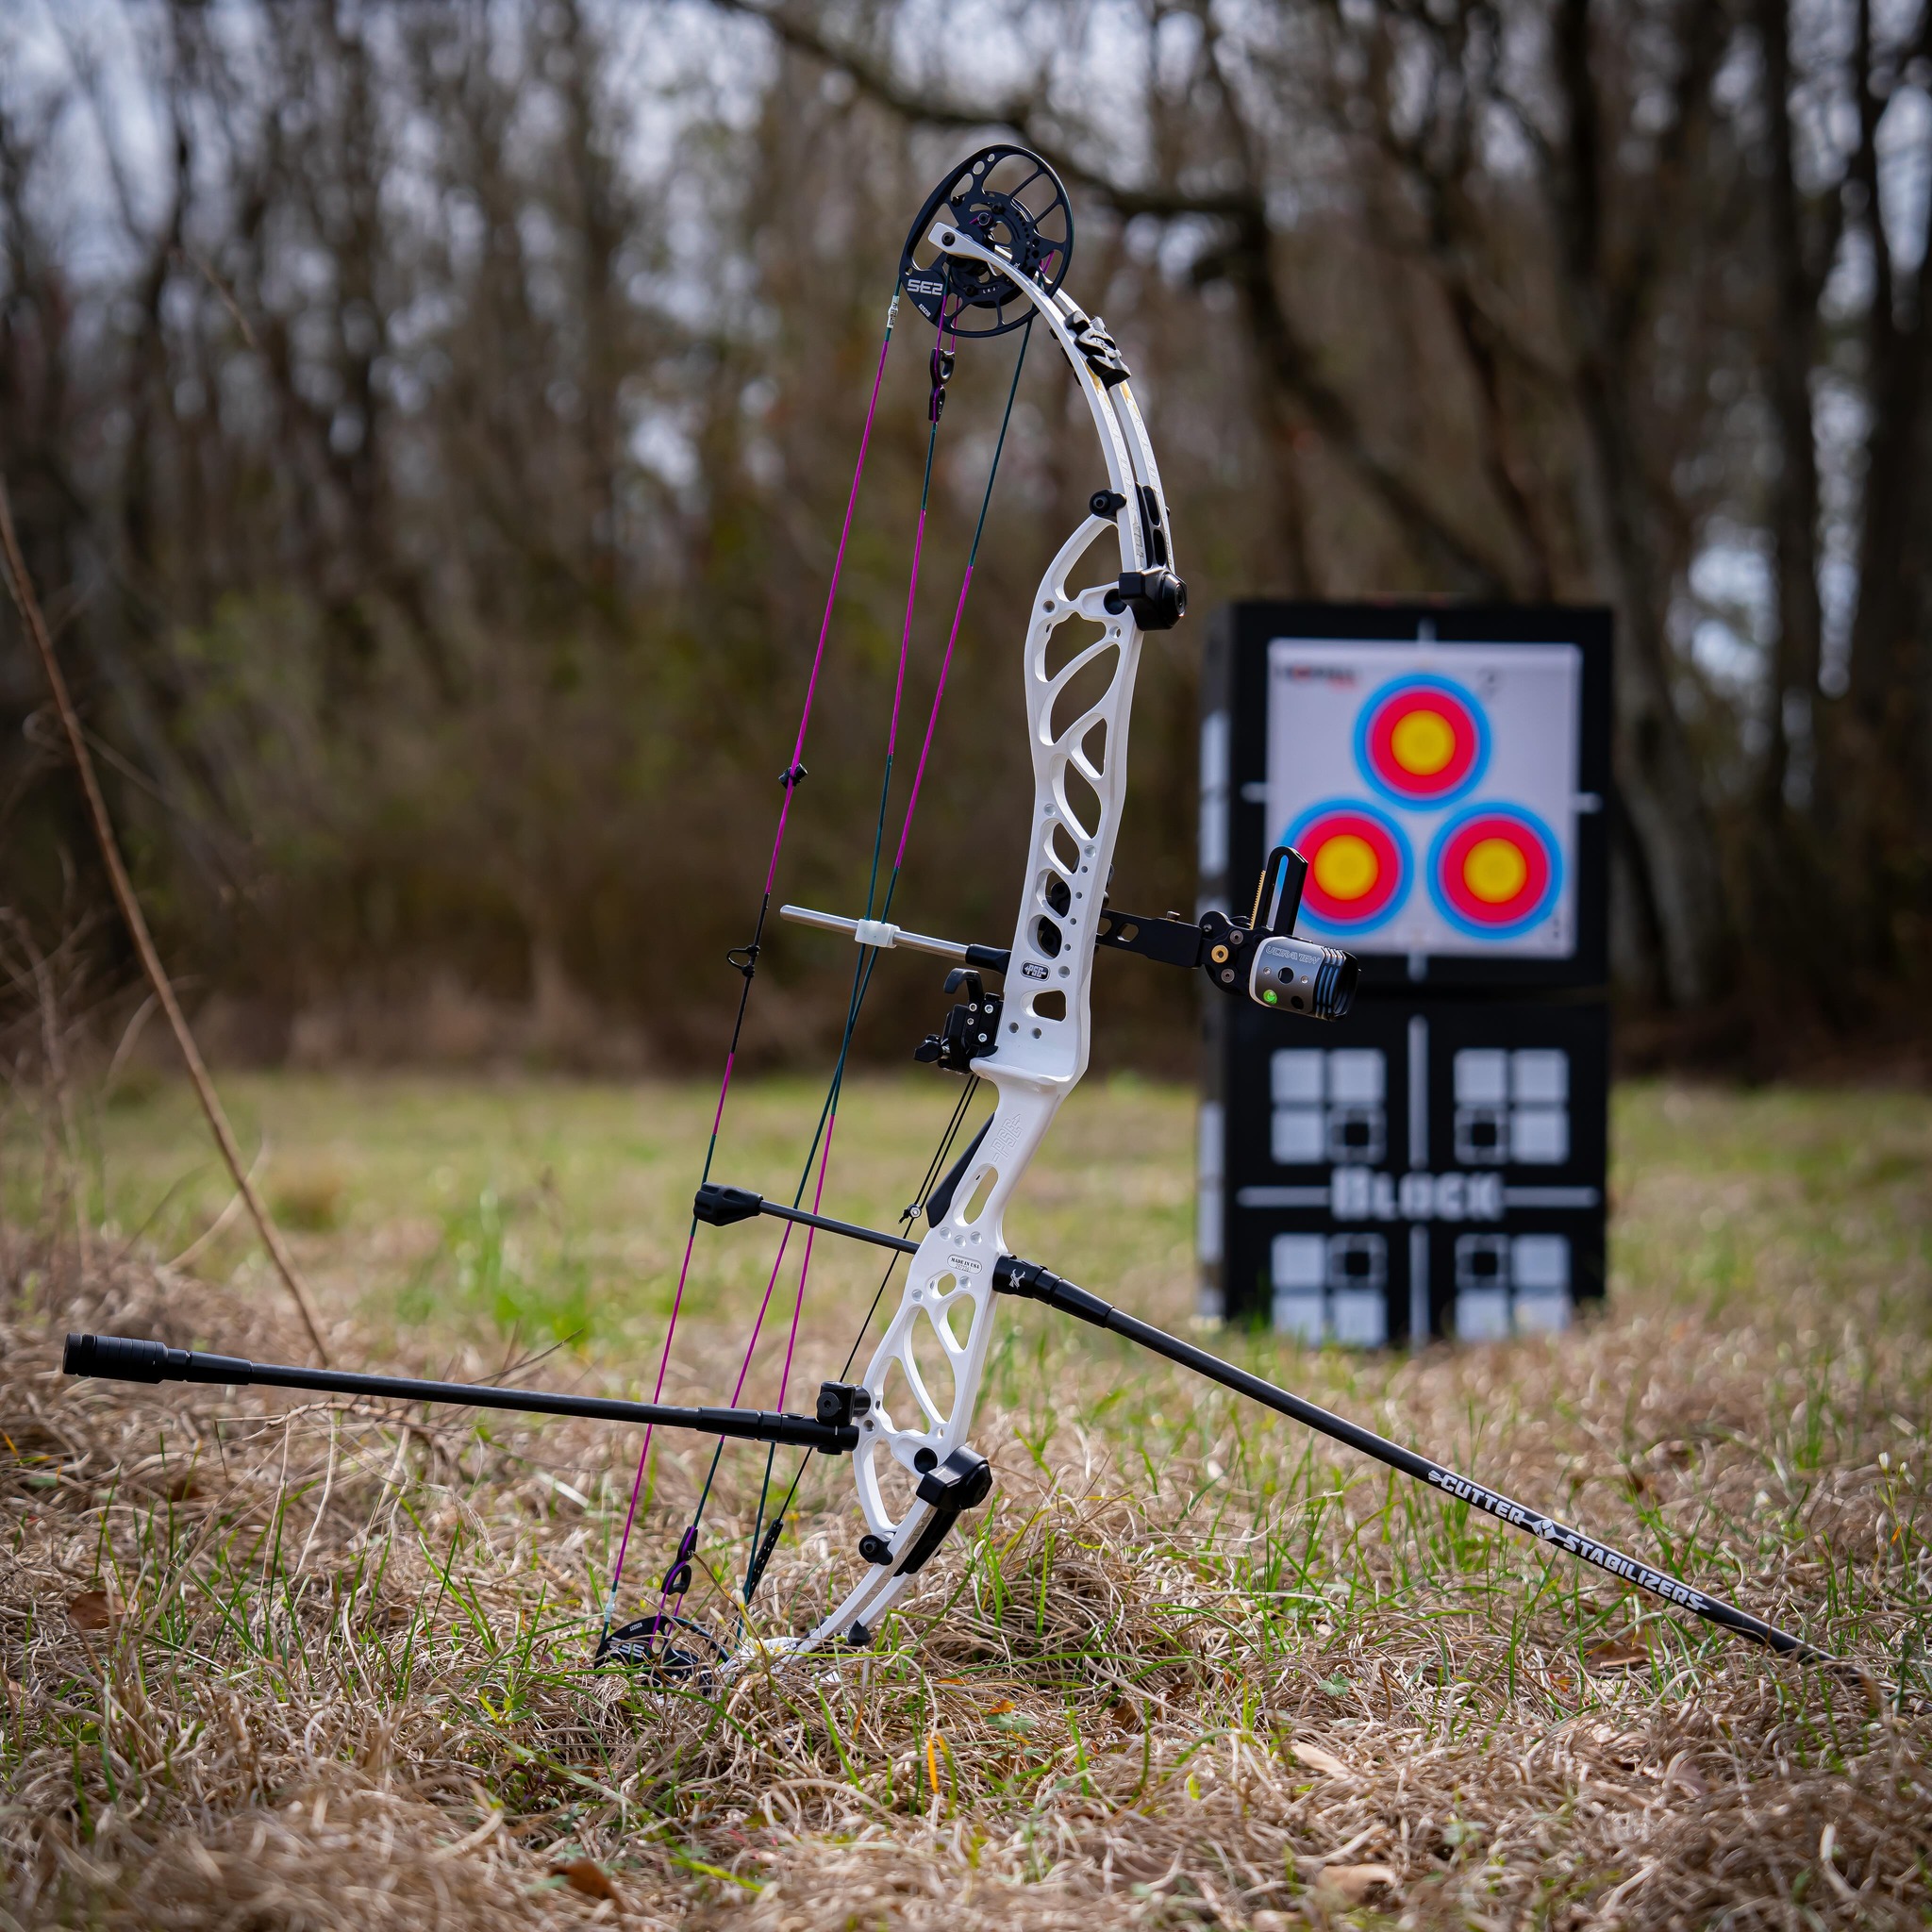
column 291, row 1666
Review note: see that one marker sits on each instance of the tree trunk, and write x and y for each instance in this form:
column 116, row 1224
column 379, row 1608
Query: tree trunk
column 1794, row 694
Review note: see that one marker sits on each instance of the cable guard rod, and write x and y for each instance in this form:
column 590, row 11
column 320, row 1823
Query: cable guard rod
column 721, row 1207
column 883, row 933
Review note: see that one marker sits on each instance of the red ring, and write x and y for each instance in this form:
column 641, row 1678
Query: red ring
column 1452, row 857
column 1379, row 742
column 1391, row 867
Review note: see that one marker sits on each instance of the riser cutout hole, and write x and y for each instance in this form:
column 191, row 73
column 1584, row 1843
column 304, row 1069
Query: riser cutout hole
column 982, row 1192
column 1082, row 691
column 1083, row 803
column 1065, row 643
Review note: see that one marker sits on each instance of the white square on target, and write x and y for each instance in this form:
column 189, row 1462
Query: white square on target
column 1540, row 1264
column 1482, row 1077
column 1296, row 1137
column 1360, row 1318
column 1542, row 1314
column 1540, row 1075
column 1298, row 1262
column 1295, row 1076
column 1482, row 1314
column 1299, row 1315
column 1356, row 1074
column 1538, row 1136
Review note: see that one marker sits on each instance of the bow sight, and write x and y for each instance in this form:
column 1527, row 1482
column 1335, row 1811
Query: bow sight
column 1258, row 955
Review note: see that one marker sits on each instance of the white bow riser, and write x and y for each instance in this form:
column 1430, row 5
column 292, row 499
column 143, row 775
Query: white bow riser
column 946, row 1307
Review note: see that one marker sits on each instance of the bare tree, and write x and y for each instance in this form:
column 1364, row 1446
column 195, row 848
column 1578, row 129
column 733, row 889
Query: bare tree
column 431, row 446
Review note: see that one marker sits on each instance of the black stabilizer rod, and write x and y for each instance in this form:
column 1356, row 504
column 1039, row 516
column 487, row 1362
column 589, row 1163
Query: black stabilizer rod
column 1027, row 1278
column 126, row 1358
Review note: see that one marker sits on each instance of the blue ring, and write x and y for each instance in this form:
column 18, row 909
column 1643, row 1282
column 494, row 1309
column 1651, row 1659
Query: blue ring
column 1422, row 680
column 1516, row 927
column 1397, row 899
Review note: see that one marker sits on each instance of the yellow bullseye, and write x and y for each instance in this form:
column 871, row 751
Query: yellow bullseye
column 1495, row 869
column 1346, row 867
column 1423, row 742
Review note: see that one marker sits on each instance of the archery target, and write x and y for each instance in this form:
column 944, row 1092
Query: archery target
column 1422, row 740
column 1359, row 865
column 1494, row 869
column 1433, row 789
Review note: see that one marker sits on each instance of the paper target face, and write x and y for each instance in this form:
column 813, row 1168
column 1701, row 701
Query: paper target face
column 1495, row 871
column 1433, row 789
column 1360, row 868
column 1422, row 740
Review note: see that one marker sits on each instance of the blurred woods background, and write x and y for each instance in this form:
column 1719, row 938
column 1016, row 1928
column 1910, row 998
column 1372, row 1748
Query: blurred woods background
column 429, row 426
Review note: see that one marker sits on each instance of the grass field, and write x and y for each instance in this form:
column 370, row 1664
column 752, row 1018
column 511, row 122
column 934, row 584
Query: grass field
column 278, row 1664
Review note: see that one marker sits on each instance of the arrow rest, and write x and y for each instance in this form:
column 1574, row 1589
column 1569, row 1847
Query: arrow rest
column 971, row 1029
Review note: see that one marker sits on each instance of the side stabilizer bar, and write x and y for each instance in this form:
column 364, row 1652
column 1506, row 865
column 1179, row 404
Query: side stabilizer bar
column 131, row 1358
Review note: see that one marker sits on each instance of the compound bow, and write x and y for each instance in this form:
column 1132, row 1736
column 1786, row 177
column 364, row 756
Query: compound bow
column 986, row 255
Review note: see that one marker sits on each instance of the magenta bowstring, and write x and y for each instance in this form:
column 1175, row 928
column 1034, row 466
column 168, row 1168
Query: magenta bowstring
column 831, row 598
column 770, row 877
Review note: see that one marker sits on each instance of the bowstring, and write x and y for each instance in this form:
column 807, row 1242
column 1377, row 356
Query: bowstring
column 749, row 967
column 870, row 958
column 861, row 986
column 855, row 1000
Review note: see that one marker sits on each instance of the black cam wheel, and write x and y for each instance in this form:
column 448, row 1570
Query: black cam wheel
column 1005, row 198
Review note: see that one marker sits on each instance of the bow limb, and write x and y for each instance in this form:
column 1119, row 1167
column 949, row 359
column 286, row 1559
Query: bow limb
column 924, row 1376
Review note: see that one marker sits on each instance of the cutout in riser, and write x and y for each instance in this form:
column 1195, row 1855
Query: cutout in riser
column 982, row 1192
column 1058, row 897
column 1065, row 642
column 935, row 1371
column 957, row 1320
column 895, row 1484
column 1082, row 803
column 1082, row 692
